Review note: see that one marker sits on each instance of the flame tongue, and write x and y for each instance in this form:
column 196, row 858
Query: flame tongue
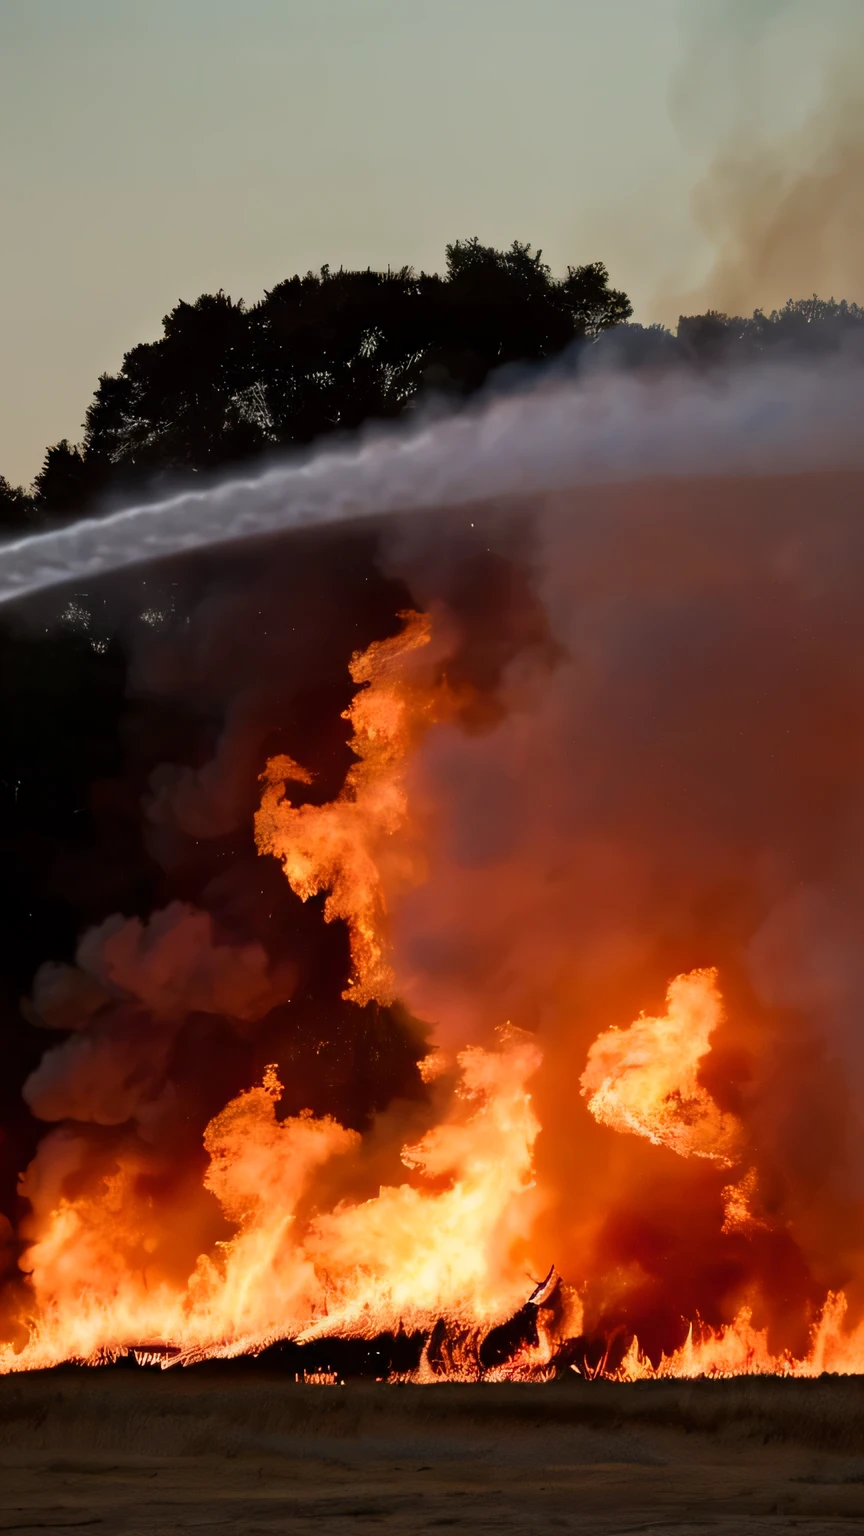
column 341, row 847
column 645, row 1079
column 447, row 1250
column 415, row 1254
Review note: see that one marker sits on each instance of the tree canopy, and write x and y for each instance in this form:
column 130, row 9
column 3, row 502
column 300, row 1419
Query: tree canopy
column 16, row 507
column 318, row 354
column 327, row 352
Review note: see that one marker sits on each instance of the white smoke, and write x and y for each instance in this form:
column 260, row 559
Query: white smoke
column 558, row 435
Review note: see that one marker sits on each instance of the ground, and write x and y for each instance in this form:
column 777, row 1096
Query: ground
column 232, row 1449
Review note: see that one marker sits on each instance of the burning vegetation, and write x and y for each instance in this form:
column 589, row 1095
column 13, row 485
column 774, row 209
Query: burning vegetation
column 566, row 867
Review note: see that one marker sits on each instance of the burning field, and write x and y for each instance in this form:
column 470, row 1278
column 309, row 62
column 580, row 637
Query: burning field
column 472, row 963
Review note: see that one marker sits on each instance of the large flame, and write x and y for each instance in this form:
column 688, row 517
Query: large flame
column 343, row 847
column 445, row 1245
column 278, row 1239
column 645, row 1079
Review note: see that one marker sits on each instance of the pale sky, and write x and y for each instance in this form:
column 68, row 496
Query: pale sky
column 151, row 150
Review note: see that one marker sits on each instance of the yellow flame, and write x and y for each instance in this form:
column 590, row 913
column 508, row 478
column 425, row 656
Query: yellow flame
column 341, row 847
column 644, row 1079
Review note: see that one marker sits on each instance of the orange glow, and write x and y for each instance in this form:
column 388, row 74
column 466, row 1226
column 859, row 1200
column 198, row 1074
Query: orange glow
column 287, row 1234
column 341, row 847
column 645, row 1079
column 739, row 1349
column 441, row 1246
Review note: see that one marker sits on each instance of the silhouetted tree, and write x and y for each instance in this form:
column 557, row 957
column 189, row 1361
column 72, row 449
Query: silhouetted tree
column 331, row 350
column 68, row 479
column 802, row 326
column 17, row 512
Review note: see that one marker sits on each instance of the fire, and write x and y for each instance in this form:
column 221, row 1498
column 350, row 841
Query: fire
column 737, row 1202
column 444, row 1247
column 282, row 1236
column 740, row 1349
column 645, row 1079
column 425, row 1254
column 342, row 847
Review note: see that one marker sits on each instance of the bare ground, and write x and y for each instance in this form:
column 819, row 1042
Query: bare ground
column 240, row 1450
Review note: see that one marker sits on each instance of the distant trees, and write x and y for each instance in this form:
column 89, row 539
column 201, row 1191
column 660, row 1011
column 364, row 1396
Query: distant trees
column 803, row 327
column 318, row 354
column 806, row 326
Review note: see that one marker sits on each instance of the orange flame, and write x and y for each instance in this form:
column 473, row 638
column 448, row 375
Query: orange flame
column 341, row 847
column 739, row 1349
column 450, row 1246
column 737, row 1199
column 445, row 1246
column 645, row 1079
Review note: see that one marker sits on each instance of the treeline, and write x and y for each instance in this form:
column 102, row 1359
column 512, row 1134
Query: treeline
column 319, row 354
column 803, row 327
column 329, row 351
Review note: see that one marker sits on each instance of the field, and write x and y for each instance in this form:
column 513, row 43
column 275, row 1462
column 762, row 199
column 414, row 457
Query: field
column 238, row 1449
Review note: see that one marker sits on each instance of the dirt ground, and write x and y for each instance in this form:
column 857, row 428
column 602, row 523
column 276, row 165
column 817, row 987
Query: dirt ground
column 232, row 1449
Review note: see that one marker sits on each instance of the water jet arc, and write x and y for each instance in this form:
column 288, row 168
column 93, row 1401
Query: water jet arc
column 608, row 428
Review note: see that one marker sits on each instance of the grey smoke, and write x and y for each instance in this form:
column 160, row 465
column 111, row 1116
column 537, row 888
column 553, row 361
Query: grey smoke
column 555, row 436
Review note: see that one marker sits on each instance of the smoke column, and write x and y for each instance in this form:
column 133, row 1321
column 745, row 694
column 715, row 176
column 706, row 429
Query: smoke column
column 780, row 202
column 504, row 900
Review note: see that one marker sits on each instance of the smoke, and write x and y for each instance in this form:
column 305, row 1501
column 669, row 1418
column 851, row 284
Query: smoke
column 132, row 988
column 680, row 785
column 780, row 202
column 652, row 765
column 605, row 427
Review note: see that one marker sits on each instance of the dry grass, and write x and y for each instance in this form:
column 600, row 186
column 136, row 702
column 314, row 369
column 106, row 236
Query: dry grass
column 235, row 1448
column 174, row 1412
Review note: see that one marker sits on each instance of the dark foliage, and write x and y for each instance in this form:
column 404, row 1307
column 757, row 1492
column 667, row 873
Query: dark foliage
column 319, row 354
column 324, row 353
column 17, row 510
column 802, row 328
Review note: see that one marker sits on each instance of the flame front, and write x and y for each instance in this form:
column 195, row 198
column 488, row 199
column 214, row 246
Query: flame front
column 440, row 1247
column 277, row 1239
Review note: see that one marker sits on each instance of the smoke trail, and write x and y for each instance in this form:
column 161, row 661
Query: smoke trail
column 607, row 427
column 779, row 204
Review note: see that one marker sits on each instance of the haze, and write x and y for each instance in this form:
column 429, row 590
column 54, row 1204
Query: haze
column 151, row 152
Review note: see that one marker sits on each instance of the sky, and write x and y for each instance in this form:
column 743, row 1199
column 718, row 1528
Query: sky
column 151, row 150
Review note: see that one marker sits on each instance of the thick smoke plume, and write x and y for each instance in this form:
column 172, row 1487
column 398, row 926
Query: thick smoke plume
column 596, row 1002
column 682, row 787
